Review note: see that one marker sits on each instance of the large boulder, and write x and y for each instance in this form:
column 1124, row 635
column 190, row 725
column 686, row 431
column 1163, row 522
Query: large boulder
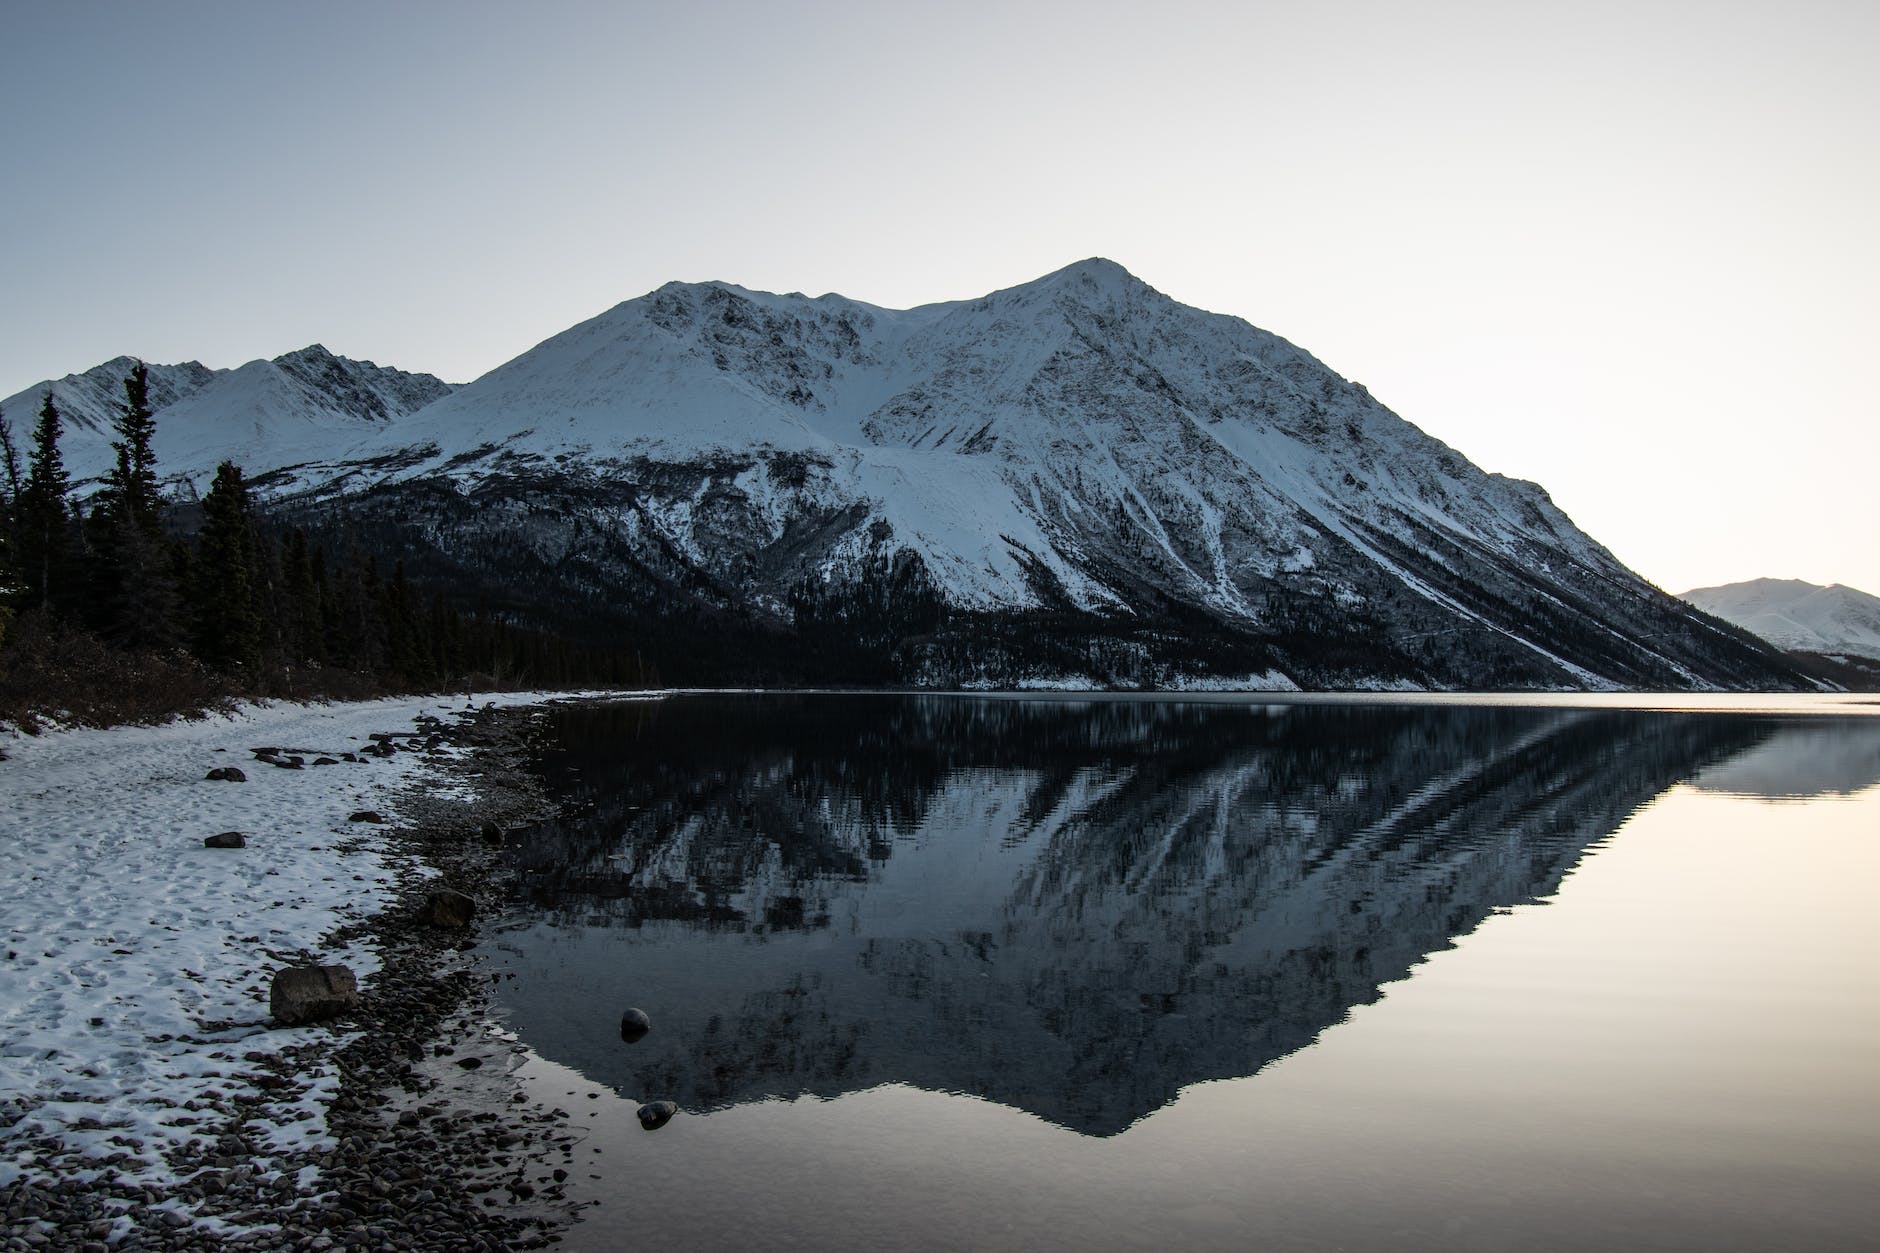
column 302, row 994
column 227, row 839
column 227, row 774
column 449, row 909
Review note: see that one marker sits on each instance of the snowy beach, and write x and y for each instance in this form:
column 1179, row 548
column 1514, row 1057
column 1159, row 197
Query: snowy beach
column 138, row 1062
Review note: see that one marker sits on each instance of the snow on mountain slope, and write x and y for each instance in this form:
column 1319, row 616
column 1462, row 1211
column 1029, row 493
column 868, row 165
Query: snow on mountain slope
column 1074, row 480
column 1806, row 617
column 1081, row 443
column 89, row 403
column 302, row 406
column 297, row 407
column 1038, row 419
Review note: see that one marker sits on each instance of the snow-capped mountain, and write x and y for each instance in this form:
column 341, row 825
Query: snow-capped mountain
column 1076, row 480
column 301, row 406
column 1834, row 621
column 89, row 403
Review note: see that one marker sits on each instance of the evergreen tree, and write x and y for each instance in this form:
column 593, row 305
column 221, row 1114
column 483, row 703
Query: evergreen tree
column 133, row 598
column 10, row 465
column 133, row 480
column 9, row 527
column 228, row 630
column 302, row 634
column 45, row 519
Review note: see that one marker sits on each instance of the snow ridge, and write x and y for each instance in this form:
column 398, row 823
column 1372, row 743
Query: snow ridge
column 302, row 405
column 1806, row 617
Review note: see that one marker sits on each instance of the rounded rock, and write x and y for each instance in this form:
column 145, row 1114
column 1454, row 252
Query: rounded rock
column 634, row 1024
column 656, row 1114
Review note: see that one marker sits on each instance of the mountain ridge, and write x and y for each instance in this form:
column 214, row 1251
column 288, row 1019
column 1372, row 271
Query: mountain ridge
column 1072, row 481
column 1830, row 620
column 299, row 405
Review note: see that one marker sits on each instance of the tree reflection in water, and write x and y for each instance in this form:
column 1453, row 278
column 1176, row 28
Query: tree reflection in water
column 1075, row 907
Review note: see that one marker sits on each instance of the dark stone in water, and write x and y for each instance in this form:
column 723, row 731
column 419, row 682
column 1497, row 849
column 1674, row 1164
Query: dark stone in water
column 326, row 761
column 312, row 993
column 226, row 774
column 470, row 1063
column 491, row 833
column 449, row 909
column 227, row 839
column 634, row 1024
column 656, row 1114
column 366, row 815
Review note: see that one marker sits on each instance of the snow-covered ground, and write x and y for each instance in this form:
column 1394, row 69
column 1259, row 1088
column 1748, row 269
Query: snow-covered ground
column 135, row 963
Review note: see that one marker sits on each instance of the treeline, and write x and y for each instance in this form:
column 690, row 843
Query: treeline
column 123, row 604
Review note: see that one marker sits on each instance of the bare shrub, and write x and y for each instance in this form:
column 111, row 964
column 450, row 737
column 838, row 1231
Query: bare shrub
column 53, row 671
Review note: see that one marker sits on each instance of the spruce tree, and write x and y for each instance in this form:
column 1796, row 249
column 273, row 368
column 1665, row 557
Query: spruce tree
column 134, row 599
column 228, row 630
column 133, row 480
column 44, row 516
column 9, row 527
column 10, row 465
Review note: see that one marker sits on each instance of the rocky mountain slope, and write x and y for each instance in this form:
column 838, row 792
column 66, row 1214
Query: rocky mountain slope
column 297, row 407
column 1073, row 482
column 1834, row 621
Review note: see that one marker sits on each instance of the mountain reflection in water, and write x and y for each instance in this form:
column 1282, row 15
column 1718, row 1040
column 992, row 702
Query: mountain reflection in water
column 1071, row 907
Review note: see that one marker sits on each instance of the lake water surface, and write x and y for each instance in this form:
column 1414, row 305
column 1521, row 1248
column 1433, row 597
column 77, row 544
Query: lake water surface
column 939, row 972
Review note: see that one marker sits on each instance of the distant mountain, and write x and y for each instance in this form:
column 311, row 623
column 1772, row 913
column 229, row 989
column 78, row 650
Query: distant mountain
column 1075, row 482
column 1832, row 621
column 89, row 403
column 303, row 405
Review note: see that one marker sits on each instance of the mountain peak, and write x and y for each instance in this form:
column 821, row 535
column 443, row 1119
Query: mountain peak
column 1096, row 269
column 1080, row 444
column 1091, row 274
column 312, row 352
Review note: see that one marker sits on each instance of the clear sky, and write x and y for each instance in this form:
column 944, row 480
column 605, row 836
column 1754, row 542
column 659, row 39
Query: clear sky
column 1628, row 250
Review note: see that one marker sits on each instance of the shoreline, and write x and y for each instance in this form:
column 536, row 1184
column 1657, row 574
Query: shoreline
column 399, row 1126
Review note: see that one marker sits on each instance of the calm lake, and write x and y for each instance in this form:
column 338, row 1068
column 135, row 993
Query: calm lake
column 955, row 972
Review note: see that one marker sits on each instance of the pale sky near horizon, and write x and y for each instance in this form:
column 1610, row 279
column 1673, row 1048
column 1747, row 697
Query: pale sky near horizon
column 1626, row 250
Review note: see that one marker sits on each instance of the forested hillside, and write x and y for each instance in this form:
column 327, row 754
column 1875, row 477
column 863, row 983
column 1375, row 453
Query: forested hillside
column 128, row 607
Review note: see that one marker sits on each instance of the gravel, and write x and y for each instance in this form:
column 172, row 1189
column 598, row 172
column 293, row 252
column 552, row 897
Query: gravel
column 427, row 1152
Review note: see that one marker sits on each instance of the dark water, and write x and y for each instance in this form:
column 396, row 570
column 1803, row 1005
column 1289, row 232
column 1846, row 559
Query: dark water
column 945, row 972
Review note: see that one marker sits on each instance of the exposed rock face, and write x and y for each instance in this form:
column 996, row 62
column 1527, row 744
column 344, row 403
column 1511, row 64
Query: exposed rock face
column 303, row 994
